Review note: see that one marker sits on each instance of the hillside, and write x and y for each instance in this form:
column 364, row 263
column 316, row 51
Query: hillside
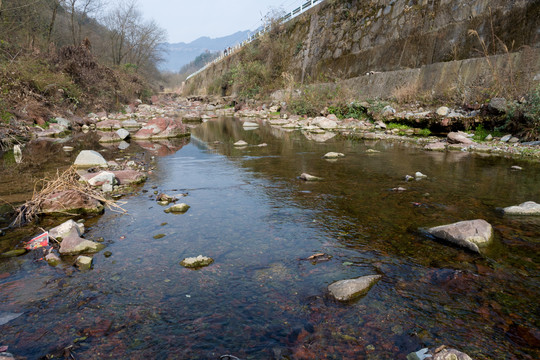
column 177, row 55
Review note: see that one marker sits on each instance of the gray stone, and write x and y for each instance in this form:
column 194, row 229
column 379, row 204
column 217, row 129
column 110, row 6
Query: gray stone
column 107, row 187
column 63, row 230
column 74, row 244
column 324, row 123
column 68, row 148
column 249, row 124
column 63, row 122
column 526, row 208
column 6, row 317
column 380, row 125
column 123, row 134
column 419, row 175
column 123, row 145
column 469, row 234
column 443, row 111
column 333, row 155
column 240, row 143
column 178, row 208
column 84, row 262
column 441, row 353
column 52, row 259
column 506, row 138
column 489, row 137
column 345, row 290
column 196, row 262
column 513, row 140
column 515, row 167
column 308, row 177
column 89, row 158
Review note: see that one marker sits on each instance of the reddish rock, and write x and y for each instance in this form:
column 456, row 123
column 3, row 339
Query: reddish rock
column 72, row 202
column 459, row 138
column 125, row 177
column 109, row 137
column 161, row 128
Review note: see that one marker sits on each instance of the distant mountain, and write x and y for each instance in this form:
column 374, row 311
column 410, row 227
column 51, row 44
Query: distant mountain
column 180, row 54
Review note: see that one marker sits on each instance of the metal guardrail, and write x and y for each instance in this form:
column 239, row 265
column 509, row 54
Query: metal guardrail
column 289, row 16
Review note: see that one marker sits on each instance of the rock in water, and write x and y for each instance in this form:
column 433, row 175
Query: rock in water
column 89, row 158
column 240, row 143
column 123, row 134
column 324, row 123
column 6, row 317
column 74, row 244
column 469, row 234
column 308, row 177
column 441, row 353
column 333, row 155
column 527, row 208
column 52, row 259
column 61, row 231
column 196, row 262
column 84, row 262
column 459, row 138
column 345, row 290
column 178, row 208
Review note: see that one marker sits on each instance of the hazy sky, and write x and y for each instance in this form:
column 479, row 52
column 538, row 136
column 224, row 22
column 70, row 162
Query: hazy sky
column 187, row 20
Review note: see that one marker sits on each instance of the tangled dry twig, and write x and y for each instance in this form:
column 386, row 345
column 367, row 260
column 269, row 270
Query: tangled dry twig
column 66, row 181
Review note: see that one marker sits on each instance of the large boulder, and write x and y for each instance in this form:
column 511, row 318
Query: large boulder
column 345, row 290
column 527, row 208
column 70, row 202
column 74, row 244
column 459, row 138
column 469, row 234
column 109, row 137
column 89, row 158
column 324, row 123
column 161, row 128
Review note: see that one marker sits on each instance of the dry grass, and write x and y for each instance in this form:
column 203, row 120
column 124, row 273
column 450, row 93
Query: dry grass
column 43, row 189
column 406, row 93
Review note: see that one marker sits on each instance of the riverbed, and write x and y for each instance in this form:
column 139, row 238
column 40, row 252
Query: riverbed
column 262, row 298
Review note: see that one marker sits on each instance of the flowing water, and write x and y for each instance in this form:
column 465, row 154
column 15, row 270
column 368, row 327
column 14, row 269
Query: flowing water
column 261, row 298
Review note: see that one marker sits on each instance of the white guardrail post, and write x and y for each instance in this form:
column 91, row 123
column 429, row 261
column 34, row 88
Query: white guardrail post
column 289, row 16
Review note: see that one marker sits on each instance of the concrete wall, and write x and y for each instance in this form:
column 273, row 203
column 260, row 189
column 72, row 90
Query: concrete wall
column 346, row 39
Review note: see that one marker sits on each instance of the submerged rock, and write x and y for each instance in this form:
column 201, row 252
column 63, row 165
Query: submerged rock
column 13, row 253
column 441, row 353
column 469, row 234
column 84, row 262
column 345, row 290
column 89, row 158
column 74, row 244
column 178, row 208
column 308, row 177
column 526, row 208
column 333, row 155
column 196, row 262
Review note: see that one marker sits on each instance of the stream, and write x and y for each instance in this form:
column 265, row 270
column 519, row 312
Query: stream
column 262, row 298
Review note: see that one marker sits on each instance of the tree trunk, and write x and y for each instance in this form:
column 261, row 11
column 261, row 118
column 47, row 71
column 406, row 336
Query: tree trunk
column 53, row 20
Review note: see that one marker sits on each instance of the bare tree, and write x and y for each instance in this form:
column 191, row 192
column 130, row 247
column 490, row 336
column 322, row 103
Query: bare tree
column 80, row 10
column 133, row 40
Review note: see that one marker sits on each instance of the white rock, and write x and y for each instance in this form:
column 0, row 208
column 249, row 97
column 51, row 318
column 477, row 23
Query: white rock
column 443, row 111
column 419, row 175
column 240, row 143
column 89, row 158
column 333, row 155
column 308, row 177
column 346, row 290
column 197, row 262
column 526, row 208
column 249, row 124
column 469, row 234
column 506, row 138
column 103, row 177
column 63, row 230
column 123, row 133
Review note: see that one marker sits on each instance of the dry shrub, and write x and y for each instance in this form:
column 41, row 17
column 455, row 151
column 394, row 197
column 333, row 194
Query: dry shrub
column 406, row 93
column 66, row 181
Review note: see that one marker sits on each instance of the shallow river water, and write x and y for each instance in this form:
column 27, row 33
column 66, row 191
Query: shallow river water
column 261, row 298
